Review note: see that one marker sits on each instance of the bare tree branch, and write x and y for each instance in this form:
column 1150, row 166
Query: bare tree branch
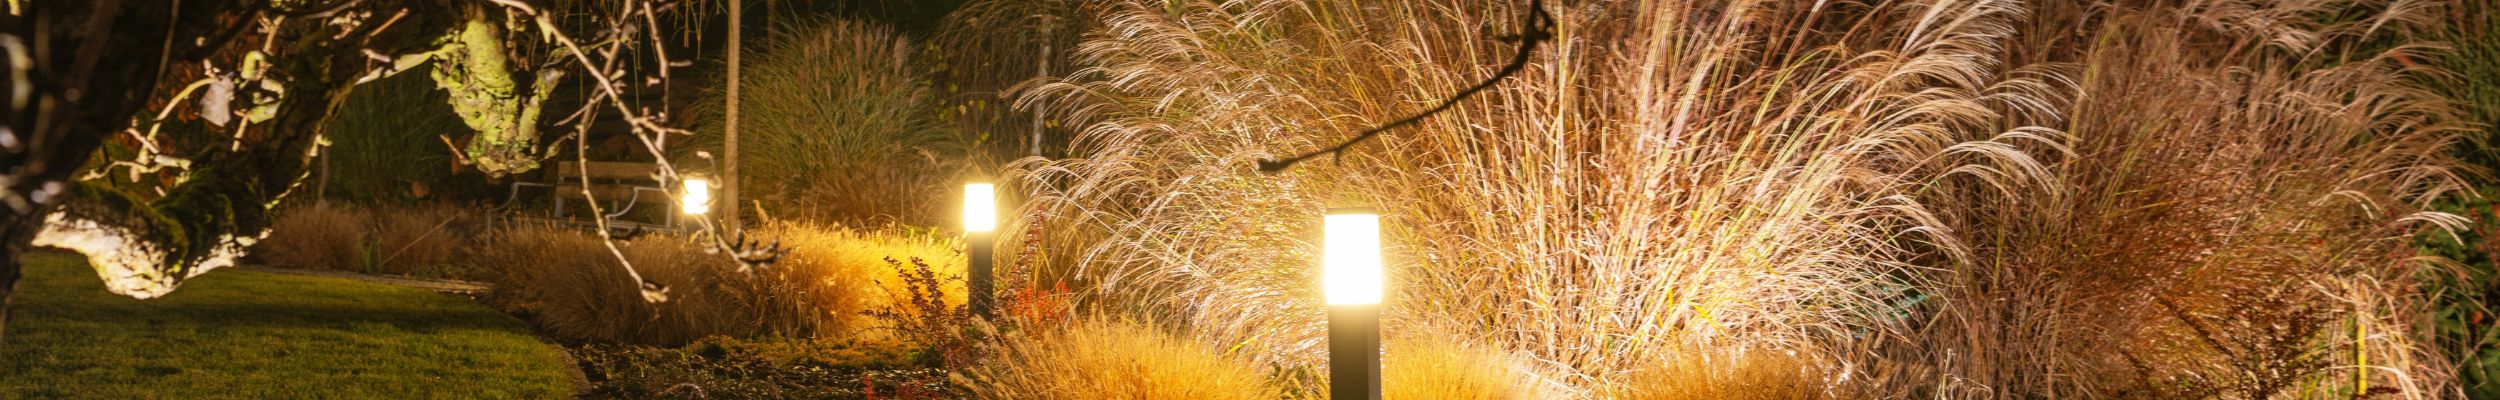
column 1536, row 28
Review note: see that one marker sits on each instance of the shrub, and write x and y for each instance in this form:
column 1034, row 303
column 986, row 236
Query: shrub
column 845, row 273
column 837, row 127
column 387, row 149
column 1760, row 375
column 573, row 288
column 570, row 284
column 316, row 236
column 2466, row 294
column 1440, row 366
column 422, row 240
column 1979, row 199
column 987, row 52
column 1100, row 359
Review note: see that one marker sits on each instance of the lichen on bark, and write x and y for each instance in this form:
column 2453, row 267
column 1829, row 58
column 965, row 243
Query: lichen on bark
column 504, row 110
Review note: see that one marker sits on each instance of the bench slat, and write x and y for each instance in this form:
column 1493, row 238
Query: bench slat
column 608, row 170
column 612, row 193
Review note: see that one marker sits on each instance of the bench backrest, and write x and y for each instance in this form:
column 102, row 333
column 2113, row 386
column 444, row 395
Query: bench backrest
column 611, row 181
column 628, row 171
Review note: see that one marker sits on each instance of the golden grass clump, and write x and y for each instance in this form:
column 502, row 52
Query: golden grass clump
column 1104, row 359
column 402, row 240
column 571, row 285
column 407, row 238
column 1435, row 366
column 842, row 274
column 1756, row 374
column 1975, row 199
column 318, row 236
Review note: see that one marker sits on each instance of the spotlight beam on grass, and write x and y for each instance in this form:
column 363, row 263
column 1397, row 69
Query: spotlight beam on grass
column 1350, row 275
column 980, row 227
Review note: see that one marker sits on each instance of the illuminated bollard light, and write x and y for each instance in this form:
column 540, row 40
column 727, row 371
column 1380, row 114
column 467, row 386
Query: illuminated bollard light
column 1351, row 277
column 697, row 199
column 980, row 227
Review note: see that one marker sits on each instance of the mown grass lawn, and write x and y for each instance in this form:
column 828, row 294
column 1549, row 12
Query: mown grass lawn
column 243, row 334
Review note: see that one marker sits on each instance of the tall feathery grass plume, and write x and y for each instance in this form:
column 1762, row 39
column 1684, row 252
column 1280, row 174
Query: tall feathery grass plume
column 839, row 125
column 2229, row 219
column 985, row 51
column 1665, row 175
column 1957, row 199
column 2465, row 293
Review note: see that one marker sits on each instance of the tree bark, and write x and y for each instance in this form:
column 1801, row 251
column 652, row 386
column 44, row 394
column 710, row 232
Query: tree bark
column 80, row 69
column 66, row 98
column 225, row 202
column 728, row 204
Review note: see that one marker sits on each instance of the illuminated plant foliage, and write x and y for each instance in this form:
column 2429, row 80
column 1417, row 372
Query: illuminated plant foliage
column 1963, row 199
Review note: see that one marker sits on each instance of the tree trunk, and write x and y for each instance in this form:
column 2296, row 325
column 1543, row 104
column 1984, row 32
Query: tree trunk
column 94, row 63
column 225, row 202
column 728, row 204
column 73, row 99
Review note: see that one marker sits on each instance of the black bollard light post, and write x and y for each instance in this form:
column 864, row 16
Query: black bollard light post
column 980, row 230
column 1350, row 274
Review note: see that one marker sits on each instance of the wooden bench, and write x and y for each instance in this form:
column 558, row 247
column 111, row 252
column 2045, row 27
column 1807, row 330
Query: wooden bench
column 627, row 185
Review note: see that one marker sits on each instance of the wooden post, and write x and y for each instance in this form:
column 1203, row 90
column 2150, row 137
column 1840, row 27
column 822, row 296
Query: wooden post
column 1041, row 69
column 728, row 204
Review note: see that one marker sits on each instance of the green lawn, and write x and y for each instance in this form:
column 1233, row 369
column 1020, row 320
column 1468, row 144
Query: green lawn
column 243, row 334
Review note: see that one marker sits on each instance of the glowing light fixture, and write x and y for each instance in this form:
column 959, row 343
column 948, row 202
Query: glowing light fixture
column 980, row 207
column 980, row 219
column 1350, row 274
column 697, row 199
column 1351, row 257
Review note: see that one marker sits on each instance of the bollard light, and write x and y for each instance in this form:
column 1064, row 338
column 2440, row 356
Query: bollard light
column 980, row 207
column 1351, row 257
column 980, row 220
column 1350, row 275
column 697, row 199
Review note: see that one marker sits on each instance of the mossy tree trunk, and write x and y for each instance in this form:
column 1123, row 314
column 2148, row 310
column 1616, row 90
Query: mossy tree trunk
column 78, row 69
column 86, row 66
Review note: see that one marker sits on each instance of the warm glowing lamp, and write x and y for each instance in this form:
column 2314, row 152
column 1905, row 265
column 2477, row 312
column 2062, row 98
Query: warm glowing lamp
column 1350, row 274
column 697, row 199
column 1351, row 257
column 980, row 207
column 980, row 219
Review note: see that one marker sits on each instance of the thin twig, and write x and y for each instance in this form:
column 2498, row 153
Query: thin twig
column 1536, row 27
